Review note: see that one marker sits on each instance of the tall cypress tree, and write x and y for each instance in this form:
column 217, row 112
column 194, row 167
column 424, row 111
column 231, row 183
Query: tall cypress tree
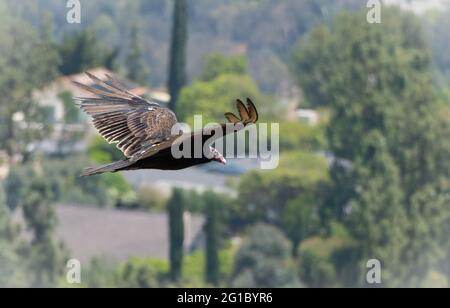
column 176, row 233
column 177, row 65
column 212, row 245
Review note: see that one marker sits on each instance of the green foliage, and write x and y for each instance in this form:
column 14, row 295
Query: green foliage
column 12, row 273
column 288, row 197
column 316, row 272
column 138, row 71
column 263, row 195
column 263, row 261
column 223, row 80
column 69, row 187
column 377, row 218
column 7, row 230
column 440, row 41
column 152, row 273
column 270, row 71
column 312, row 78
column 265, row 29
column 194, row 268
column 385, row 197
column 39, row 215
column 386, row 116
column 192, row 201
column 63, row 179
column 318, row 259
column 176, row 233
column 69, row 135
column 302, row 137
column 71, row 112
column 212, row 99
column 43, row 257
column 82, row 50
column 151, row 198
column 101, row 152
column 138, row 273
column 27, row 61
column 301, row 218
column 100, row 273
column 216, row 64
column 435, row 279
column 212, row 240
column 177, row 65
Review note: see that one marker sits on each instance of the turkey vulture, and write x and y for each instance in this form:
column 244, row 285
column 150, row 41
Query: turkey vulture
column 142, row 129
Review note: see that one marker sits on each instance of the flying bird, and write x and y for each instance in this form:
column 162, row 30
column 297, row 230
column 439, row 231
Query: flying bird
column 142, row 129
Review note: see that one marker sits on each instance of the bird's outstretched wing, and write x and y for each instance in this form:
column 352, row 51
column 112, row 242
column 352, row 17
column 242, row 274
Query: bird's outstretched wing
column 247, row 115
column 121, row 117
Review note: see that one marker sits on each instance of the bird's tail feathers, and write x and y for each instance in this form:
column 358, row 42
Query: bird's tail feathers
column 112, row 167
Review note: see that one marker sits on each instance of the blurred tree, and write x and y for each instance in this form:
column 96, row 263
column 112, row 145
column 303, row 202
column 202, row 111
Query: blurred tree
column 62, row 176
column 102, row 152
column 440, row 42
column 12, row 273
column 107, row 28
column 301, row 218
column 71, row 112
column 100, row 273
column 82, row 50
column 377, row 218
column 176, row 233
column 263, row 261
column 43, row 257
column 215, row 64
column 69, row 134
column 137, row 274
column 266, row 29
column 270, row 72
column 49, row 45
column 379, row 80
column 47, row 255
column 212, row 239
column 211, row 99
column 151, row 198
column 324, row 261
column 311, row 77
column 263, row 196
column 6, row 227
column 298, row 136
column 316, row 271
column 177, row 65
column 138, row 70
column 27, row 62
column 39, row 216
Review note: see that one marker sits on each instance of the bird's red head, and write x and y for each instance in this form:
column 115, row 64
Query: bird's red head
column 216, row 156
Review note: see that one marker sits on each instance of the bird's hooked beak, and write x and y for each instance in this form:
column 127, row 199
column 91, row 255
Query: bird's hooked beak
column 217, row 156
column 221, row 160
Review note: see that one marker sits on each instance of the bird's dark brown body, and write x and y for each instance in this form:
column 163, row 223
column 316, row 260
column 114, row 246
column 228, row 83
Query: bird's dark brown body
column 142, row 129
column 165, row 161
